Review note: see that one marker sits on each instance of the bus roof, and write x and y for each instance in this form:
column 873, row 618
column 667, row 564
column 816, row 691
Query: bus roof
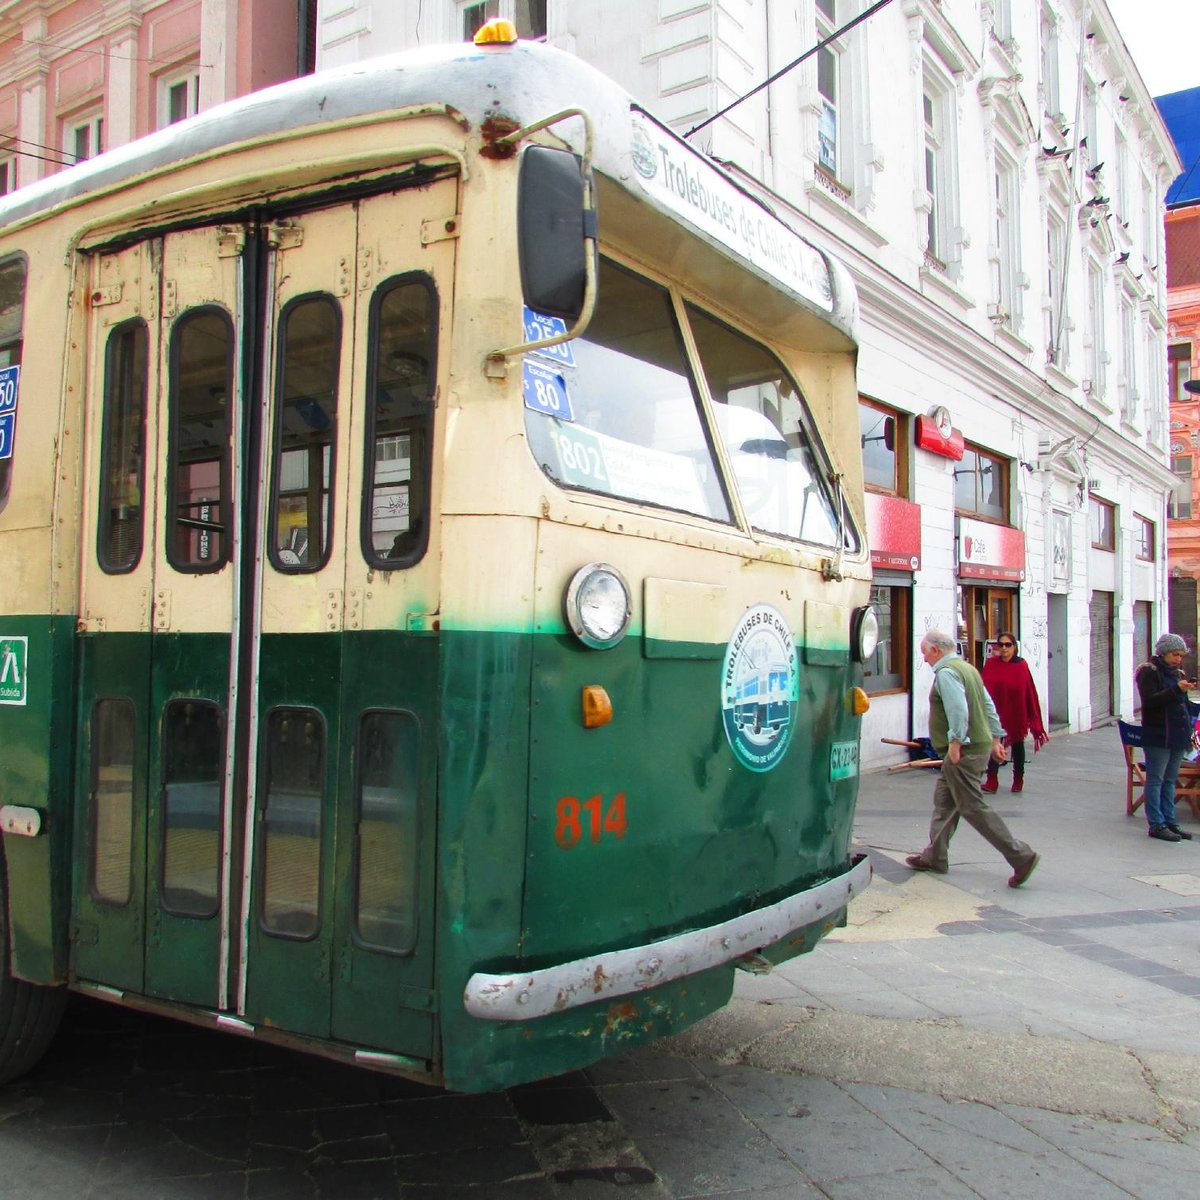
column 524, row 82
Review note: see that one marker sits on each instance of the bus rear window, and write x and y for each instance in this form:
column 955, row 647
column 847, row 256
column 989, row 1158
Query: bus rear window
column 616, row 412
column 12, row 312
column 198, row 481
column 123, row 451
column 399, row 446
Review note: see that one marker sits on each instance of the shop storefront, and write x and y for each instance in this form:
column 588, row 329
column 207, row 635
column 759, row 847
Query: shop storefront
column 991, row 569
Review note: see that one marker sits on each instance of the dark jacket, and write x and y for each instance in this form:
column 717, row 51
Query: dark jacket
column 1166, row 718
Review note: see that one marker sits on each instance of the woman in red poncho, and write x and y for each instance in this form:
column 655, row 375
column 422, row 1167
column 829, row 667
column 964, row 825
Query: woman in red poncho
column 1009, row 683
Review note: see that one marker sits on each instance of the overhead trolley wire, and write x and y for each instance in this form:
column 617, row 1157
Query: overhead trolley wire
column 837, row 33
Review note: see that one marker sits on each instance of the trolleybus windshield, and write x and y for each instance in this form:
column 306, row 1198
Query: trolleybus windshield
column 628, row 422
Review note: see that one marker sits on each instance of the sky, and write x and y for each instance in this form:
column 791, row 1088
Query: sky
column 1164, row 38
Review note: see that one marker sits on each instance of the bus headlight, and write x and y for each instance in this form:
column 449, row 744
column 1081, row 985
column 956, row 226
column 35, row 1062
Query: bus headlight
column 864, row 632
column 597, row 606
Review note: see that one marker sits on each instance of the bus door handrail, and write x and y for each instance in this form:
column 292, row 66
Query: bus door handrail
column 496, row 365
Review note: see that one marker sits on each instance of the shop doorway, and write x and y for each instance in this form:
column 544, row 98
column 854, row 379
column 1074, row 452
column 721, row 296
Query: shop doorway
column 983, row 611
column 1058, row 662
column 1100, row 609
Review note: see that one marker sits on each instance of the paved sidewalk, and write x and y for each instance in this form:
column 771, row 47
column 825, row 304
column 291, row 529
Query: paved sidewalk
column 961, row 1038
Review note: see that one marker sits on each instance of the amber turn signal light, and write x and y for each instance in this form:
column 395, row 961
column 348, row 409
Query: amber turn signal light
column 597, row 707
column 858, row 701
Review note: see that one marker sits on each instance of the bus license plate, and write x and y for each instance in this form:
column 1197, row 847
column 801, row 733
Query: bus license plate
column 843, row 760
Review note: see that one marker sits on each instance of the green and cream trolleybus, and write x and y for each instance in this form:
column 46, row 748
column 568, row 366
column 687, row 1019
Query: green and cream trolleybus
column 432, row 574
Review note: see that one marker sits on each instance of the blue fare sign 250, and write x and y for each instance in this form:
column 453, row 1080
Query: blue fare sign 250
column 539, row 326
column 10, row 382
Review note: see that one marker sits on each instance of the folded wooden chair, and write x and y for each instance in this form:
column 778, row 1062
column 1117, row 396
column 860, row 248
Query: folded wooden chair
column 1135, row 767
column 1187, row 787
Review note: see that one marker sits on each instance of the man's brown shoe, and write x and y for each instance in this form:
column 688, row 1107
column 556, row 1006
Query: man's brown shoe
column 920, row 864
column 1024, row 873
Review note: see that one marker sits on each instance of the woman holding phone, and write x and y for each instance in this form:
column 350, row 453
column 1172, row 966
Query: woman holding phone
column 1166, row 732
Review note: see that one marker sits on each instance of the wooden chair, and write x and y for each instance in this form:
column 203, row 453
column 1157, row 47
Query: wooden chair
column 1187, row 787
column 1135, row 768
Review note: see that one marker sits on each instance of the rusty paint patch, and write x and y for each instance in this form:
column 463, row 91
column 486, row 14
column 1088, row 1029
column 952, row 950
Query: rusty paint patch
column 599, row 979
column 493, row 128
column 618, row 1015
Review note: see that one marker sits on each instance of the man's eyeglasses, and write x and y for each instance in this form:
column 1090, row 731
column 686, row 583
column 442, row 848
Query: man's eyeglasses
column 1006, row 645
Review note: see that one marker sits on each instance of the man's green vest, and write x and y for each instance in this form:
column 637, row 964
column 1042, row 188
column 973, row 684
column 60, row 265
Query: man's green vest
column 978, row 729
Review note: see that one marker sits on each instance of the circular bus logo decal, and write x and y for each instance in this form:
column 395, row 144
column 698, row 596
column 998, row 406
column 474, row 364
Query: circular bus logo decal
column 644, row 154
column 759, row 688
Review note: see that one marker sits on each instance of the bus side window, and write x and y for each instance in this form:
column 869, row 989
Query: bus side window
column 306, row 402
column 122, row 451
column 290, row 904
column 399, row 441
column 12, row 312
column 112, row 801
column 193, row 758
column 385, row 902
column 198, row 467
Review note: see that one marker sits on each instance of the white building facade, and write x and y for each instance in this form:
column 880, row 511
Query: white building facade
column 993, row 174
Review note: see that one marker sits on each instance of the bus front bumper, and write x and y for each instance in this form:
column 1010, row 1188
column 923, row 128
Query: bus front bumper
column 532, row 994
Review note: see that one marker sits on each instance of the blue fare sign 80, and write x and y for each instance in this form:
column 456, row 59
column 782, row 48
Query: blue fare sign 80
column 10, row 380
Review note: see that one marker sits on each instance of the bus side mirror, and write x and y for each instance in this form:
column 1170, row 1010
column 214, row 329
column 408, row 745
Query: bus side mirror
column 889, row 434
column 553, row 226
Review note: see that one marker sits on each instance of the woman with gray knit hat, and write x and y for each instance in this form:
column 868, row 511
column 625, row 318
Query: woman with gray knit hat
column 1166, row 732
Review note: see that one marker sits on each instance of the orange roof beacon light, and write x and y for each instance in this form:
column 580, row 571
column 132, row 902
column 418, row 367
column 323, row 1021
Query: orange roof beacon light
column 496, row 32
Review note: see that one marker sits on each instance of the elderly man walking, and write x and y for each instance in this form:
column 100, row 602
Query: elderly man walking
column 964, row 729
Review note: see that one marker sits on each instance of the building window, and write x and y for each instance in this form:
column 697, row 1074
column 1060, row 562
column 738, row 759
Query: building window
column 306, row 62
column 8, row 175
column 1095, row 355
column 529, row 16
column 981, row 485
column 1006, row 253
column 1152, row 220
column 1091, row 128
column 937, row 102
column 1002, row 21
column 1122, row 197
column 1129, row 390
column 829, row 85
column 1102, row 520
column 887, row 669
column 1056, row 296
column 1145, row 539
column 178, row 98
column 883, row 433
column 1049, row 62
column 1179, row 370
column 1180, row 506
column 84, row 138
